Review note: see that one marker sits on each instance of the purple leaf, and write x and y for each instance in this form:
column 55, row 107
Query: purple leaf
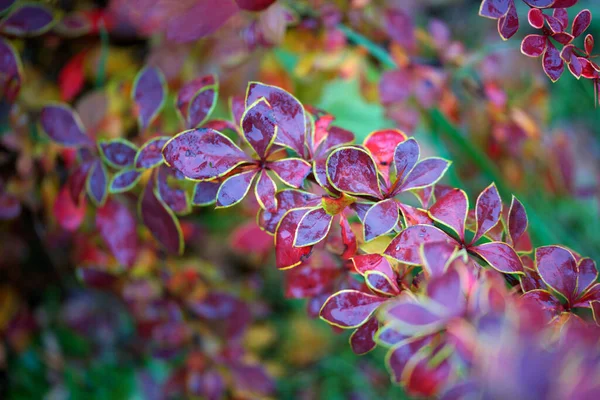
column 265, row 192
column 77, row 180
column 349, row 308
column 149, row 93
column 234, row 189
column 97, row 183
column 587, row 275
column 500, row 256
column 10, row 71
column 201, row 107
column 27, row 20
column 400, row 27
column 124, row 181
column 402, row 353
column 533, row 45
column 205, row 193
column 411, row 318
column 6, row 4
column 200, row 20
column 487, row 211
column 381, row 218
column 581, row 22
column 160, row 220
column 425, row 173
column 176, row 199
column 291, row 171
column 63, row 126
column 118, row 153
column 552, row 63
column 406, row 157
column 288, row 112
column 203, row 154
column 405, row 247
column 286, row 254
column 381, row 284
column 494, row 8
column 517, row 221
column 117, row 227
column 508, row 24
column 196, row 100
column 313, row 228
column 353, row 171
column 150, row 154
column 258, row 126
column 286, row 200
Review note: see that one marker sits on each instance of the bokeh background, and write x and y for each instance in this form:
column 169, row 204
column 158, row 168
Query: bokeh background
column 472, row 98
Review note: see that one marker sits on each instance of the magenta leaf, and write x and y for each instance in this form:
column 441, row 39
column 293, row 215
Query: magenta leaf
column 508, row 24
column 258, row 126
column 149, row 93
column 150, row 154
column 517, row 221
column 305, row 281
column 447, row 290
column 536, row 18
column 436, row 257
column 160, row 220
column 581, row 22
column 353, row 171
column 405, row 247
column 544, row 300
column 291, row 171
column 176, row 199
column 558, row 268
column 199, row 20
column 393, row 88
column 124, row 181
column 68, row 213
column 10, row 71
column 400, row 27
column 203, row 154
column 406, row 157
column 381, row 218
column 27, row 20
column 381, row 284
column 286, row 254
column 487, row 211
column 362, row 339
column 373, row 262
column 265, row 192
column 552, row 63
column 349, row 308
column 234, row 189
column 63, row 126
column 401, row 354
column 97, row 183
column 77, row 180
column 288, row 112
column 451, row 211
column 414, row 318
column 196, row 100
column 533, row 45
column 254, row 5
column 500, row 256
column 117, row 227
column 588, row 274
column 205, row 193
column 425, row 173
column 118, row 153
column 312, row 228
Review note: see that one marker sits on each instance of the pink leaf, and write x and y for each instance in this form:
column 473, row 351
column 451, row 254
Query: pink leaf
column 508, row 24
column 68, row 214
column 436, row 257
column 406, row 157
column 117, row 226
column 382, row 145
column 349, row 308
column 517, row 221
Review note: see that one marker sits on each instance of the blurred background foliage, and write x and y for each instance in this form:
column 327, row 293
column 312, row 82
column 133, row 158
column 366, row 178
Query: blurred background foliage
column 86, row 347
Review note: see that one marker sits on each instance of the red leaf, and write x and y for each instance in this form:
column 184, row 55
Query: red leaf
column 313, row 228
column 487, row 211
column 562, row 16
column 349, row 308
column 63, row 126
column 118, row 229
column 382, row 146
column 248, row 239
column 150, row 154
column 405, row 247
column 254, row 5
column 72, row 77
column 536, row 18
column 427, row 379
column 228, row 314
column 258, row 126
column 286, row 254
column 500, row 256
column 381, row 218
column 533, row 45
column 201, row 107
column 362, row 339
column 118, row 153
column 160, row 220
column 265, row 192
column 373, row 262
column 352, row 170
column 203, row 154
column 149, row 93
column 589, row 44
column 451, row 210
column 234, row 189
column 400, row 355
column 581, row 22
column 552, row 63
column 77, row 181
column 291, row 171
column 348, row 239
column 305, row 281
column 68, row 214
column 288, row 112
column 205, row 193
column 10, row 207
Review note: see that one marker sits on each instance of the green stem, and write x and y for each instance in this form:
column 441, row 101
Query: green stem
column 374, row 49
